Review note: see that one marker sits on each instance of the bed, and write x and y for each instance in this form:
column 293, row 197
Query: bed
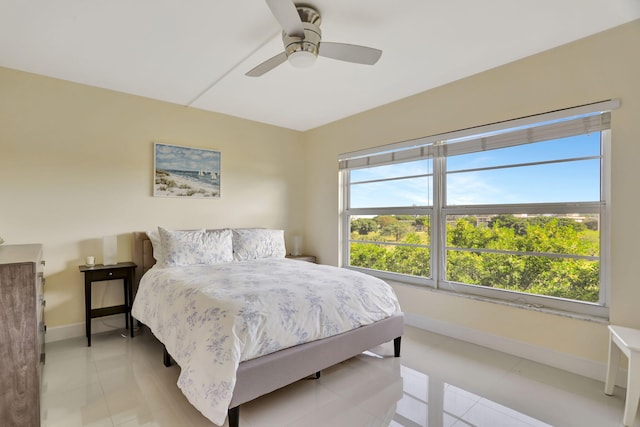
column 266, row 372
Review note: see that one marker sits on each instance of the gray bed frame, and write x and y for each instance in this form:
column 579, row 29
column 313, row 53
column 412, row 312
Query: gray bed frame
column 265, row 374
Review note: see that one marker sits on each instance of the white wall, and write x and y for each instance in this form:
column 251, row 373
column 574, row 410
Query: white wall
column 600, row 67
column 76, row 164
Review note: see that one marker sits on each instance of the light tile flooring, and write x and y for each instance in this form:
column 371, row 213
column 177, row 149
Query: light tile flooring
column 438, row 381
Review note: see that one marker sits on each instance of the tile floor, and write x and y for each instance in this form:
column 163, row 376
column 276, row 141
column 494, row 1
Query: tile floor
column 438, row 381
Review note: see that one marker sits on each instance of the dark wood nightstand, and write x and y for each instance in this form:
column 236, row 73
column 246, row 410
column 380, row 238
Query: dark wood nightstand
column 123, row 271
column 308, row 258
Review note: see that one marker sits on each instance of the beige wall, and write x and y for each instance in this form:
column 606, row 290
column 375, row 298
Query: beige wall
column 600, row 67
column 76, row 164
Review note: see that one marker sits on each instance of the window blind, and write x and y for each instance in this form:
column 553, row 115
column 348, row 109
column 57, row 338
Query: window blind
column 556, row 124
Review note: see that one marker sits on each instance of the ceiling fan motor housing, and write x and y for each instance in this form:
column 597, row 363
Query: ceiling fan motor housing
column 312, row 34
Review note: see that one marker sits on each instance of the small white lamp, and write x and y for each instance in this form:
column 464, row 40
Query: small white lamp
column 297, row 245
column 110, row 250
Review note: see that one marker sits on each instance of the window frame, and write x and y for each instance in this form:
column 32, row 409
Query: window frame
column 436, row 148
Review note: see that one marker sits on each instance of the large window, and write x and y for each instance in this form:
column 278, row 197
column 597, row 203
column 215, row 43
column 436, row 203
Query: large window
column 515, row 211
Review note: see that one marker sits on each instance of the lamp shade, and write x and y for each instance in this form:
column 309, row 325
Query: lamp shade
column 110, row 250
column 296, row 250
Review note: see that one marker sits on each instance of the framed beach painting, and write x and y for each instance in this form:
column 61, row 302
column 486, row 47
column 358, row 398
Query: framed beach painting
column 186, row 172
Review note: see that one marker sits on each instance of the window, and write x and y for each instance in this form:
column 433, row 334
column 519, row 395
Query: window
column 515, row 211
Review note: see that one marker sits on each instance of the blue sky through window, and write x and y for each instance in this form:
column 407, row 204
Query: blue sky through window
column 571, row 181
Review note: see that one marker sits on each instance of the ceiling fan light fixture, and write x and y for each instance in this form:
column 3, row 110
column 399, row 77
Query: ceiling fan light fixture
column 302, row 37
column 303, row 51
column 302, row 59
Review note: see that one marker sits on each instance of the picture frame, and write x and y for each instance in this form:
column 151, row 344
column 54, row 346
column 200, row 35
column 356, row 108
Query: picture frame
column 185, row 172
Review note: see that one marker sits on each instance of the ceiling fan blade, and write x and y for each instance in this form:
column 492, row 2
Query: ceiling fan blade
column 287, row 15
column 350, row 52
column 267, row 65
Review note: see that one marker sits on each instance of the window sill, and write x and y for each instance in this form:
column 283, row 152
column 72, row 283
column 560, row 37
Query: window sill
column 514, row 304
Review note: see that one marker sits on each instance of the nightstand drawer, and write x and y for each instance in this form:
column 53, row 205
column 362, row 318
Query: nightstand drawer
column 114, row 274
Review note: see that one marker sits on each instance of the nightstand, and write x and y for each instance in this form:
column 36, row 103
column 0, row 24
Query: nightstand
column 308, row 258
column 121, row 271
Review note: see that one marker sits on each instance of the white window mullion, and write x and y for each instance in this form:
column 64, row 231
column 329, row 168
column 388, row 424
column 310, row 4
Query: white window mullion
column 403, row 210
column 344, row 232
column 538, row 208
column 605, row 219
column 438, row 225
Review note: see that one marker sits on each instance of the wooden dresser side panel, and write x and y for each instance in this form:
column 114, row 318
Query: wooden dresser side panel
column 19, row 355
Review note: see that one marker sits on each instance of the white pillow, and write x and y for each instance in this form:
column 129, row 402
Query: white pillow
column 195, row 247
column 256, row 243
column 154, row 236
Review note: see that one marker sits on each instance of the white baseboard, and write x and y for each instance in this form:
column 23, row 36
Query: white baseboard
column 74, row 330
column 567, row 362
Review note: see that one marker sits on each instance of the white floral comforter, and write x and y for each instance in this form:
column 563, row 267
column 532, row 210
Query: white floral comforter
column 212, row 317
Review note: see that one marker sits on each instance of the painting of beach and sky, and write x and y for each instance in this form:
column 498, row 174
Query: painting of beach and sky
column 186, row 172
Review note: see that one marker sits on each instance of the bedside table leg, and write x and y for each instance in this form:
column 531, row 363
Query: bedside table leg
column 127, row 303
column 87, row 309
column 129, row 299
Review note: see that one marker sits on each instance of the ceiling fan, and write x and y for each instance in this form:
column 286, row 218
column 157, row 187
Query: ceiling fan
column 301, row 36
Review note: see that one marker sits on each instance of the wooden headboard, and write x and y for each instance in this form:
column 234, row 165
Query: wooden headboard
column 142, row 256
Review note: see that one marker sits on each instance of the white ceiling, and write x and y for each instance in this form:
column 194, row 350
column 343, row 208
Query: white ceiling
column 195, row 52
